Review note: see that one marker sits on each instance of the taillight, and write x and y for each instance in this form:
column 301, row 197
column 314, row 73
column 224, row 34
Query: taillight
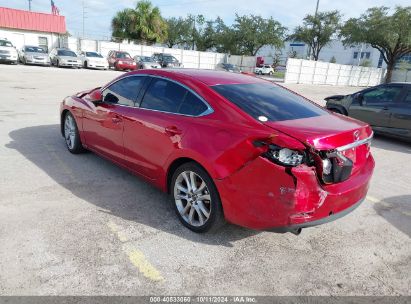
column 334, row 167
column 284, row 156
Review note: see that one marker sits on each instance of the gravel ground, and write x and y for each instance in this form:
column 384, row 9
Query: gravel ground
column 79, row 225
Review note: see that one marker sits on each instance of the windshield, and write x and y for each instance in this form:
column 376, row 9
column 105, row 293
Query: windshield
column 146, row 59
column 170, row 59
column 231, row 67
column 34, row 49
column 269, row 102
column 93, row 54
column 123, row 55
column 5, row 43
column 66, row 53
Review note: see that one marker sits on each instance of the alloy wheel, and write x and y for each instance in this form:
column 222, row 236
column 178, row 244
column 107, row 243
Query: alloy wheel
column 192, row 198
column 69, row 131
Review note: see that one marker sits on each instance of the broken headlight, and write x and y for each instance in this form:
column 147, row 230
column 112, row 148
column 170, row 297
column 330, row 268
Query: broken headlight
column 284, row 156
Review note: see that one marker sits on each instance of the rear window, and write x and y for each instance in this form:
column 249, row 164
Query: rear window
column 268, row 102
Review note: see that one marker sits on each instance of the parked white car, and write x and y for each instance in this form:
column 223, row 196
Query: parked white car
column 8, row 52
column 94, row 60
column 266, row 69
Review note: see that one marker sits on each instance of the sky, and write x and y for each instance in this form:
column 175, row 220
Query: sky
column 100, row 12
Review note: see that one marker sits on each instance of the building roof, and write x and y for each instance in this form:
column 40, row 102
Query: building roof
column 31, row 21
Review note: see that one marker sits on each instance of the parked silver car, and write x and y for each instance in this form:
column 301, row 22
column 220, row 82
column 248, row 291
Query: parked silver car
column 146, row 62
column 61, row 57
column 33, row 55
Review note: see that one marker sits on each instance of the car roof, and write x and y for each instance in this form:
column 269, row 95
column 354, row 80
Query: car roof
column 208, row 77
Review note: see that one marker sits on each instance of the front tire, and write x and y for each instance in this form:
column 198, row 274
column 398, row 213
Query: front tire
column 195, row 199
column 71, row 135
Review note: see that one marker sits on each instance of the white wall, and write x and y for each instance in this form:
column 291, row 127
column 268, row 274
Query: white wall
column 189, row 59
column 21, row 37
column 316, row 72
column 342, row 54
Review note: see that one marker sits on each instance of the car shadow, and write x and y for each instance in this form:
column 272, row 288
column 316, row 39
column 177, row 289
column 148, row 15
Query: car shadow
column 397, row 211
column 110, row 188
column 391, row 144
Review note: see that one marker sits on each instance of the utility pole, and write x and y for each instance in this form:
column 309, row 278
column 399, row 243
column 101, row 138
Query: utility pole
column 30, row 5
column 84, row 16
column 315, row 16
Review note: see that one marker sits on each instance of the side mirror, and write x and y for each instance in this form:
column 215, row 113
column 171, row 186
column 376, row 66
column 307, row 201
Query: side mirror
column 96, row 96
column 360, row 98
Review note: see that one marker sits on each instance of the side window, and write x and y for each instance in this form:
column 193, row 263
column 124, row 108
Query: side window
column 163, row 95
column 192, row 105
column 382, row 95
column 408, row 97
column 124, row 91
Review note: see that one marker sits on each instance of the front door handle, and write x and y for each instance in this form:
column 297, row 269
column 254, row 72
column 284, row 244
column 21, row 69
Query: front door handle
column 173, row 130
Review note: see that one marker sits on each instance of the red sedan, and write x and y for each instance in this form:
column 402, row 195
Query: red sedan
column 226, row 147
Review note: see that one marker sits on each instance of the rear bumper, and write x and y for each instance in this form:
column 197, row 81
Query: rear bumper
column 266, row 196
column 324, row 220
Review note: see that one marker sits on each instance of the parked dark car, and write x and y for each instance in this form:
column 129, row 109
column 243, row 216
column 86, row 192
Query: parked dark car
column 228, row 67
column 167, row 60
column 386, row 107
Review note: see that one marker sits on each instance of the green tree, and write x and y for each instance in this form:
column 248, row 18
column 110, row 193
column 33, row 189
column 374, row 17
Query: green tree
column 144, row 23
column 253, row 32
column 179, row 31
column 204, row 34
column 389, row 34
column 317, row 31
column 225, row 38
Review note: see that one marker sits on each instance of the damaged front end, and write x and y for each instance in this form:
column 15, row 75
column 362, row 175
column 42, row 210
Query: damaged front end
column 291, row 186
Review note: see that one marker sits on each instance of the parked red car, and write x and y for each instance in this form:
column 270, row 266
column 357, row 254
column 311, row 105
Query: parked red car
column 121, row 61
column 226, row 147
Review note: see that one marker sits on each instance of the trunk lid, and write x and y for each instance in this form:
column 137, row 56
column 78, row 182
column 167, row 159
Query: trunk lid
column 324, row 132
column 330, row 132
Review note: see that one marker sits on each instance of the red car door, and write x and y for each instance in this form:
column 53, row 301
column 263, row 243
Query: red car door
column 103, row 125
column 153, row 131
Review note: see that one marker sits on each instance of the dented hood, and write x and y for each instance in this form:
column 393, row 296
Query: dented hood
column 324, row 132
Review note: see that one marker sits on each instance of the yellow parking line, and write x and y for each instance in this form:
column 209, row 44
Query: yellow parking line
column 135, row 256
column 373, row 199
column 385, row 204
column 143, row 265
column 120, row 234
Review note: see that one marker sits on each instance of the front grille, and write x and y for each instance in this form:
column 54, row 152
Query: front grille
column 39, row 58
column 4, row 52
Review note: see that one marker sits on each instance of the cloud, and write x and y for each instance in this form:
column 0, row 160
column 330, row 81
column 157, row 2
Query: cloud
column 290, row 12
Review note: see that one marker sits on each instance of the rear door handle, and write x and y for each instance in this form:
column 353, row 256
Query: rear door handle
column 173, row 130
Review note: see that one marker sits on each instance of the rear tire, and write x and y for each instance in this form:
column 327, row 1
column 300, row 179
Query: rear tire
column 58, row 63
column 71, row 135
column 196, row 199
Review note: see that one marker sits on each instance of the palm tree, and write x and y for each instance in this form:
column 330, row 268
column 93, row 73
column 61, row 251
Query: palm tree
column 144, row 23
